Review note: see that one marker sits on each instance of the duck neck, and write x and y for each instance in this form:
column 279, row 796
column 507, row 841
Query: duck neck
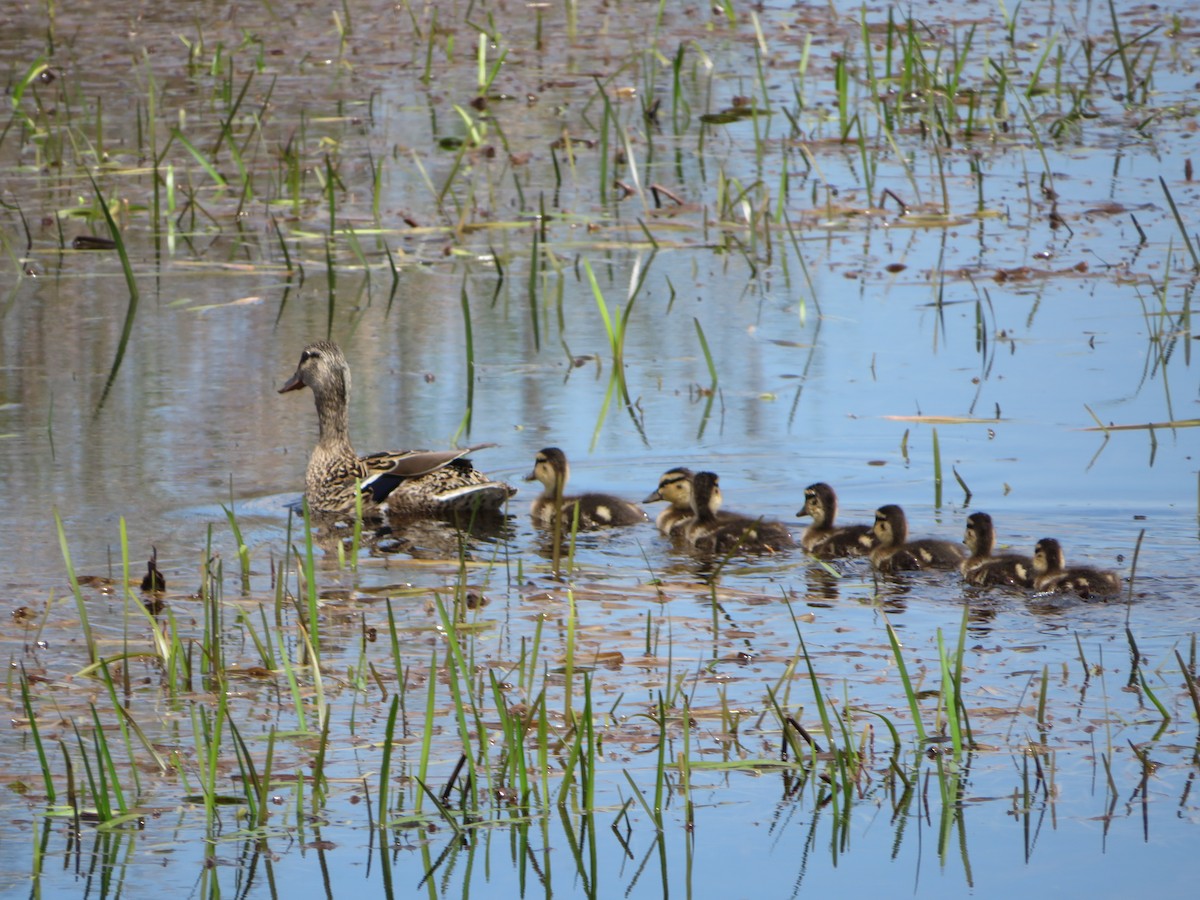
column 333, row 418
column 985, row 543
column 705, row 507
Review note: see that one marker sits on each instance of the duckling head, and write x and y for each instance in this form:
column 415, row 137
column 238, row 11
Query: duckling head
column 820, row 502
column 1048, row 557
column 979, row 535
column 550, row 468
column 675, row 487
column 891, row 526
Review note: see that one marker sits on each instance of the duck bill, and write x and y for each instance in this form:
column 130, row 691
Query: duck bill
column 654, row 498
column 294, row 383
column 532, row 476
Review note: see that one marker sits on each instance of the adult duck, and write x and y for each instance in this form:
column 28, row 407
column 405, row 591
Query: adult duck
column 404, row 482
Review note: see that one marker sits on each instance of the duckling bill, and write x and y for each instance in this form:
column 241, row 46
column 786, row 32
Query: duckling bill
column 595, row 510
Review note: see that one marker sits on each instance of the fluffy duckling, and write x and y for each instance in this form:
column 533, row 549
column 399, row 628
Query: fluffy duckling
column 595, row 510
column 824, row 540
column 1052, row 574
column 894, row 552
column 675, row 487
column 717, row 532
column 984, row 568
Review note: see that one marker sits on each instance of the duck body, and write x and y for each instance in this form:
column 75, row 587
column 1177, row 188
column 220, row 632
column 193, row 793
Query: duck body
column 594, row 510
column 822, row 538
column 714, row 531
column 894, row 552
column 1053, row 575
column 984, row 568
column 405, row 482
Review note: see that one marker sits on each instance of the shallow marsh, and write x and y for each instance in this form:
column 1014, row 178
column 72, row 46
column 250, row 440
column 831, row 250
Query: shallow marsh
column 954, row 234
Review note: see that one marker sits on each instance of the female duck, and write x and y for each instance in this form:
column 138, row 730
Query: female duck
column 405, row 482
column 595, row 510
column 717, row 532
column 1052, row 574
column 894, row 552
column 824, row 540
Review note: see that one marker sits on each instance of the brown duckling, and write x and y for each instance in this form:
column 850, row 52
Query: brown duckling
column 894, row 552
column 675, row 487
column 822, row 538
column 717, row 532
column 1052, row 574
column 984, row 568
column 595, row 510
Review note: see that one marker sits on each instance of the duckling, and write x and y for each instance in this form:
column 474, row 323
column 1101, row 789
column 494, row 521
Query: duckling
column 595, row 510
column 821, row 538
column 675, row 487
column 1052, row 574
column 717, row 532
column 894, row 552
column 982, row 567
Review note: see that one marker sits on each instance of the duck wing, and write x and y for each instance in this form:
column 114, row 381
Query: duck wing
column 387, row 471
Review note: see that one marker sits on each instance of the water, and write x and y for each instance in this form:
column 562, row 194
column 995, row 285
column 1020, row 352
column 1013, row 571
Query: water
column 817, row 381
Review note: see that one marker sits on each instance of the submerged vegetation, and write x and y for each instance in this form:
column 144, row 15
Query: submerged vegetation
column 584, row 182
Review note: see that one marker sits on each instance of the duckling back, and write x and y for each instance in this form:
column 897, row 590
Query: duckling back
column 595, row 511
column 715, row 531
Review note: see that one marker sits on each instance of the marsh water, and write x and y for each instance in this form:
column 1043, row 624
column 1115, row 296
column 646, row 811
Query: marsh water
column 941, row 262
